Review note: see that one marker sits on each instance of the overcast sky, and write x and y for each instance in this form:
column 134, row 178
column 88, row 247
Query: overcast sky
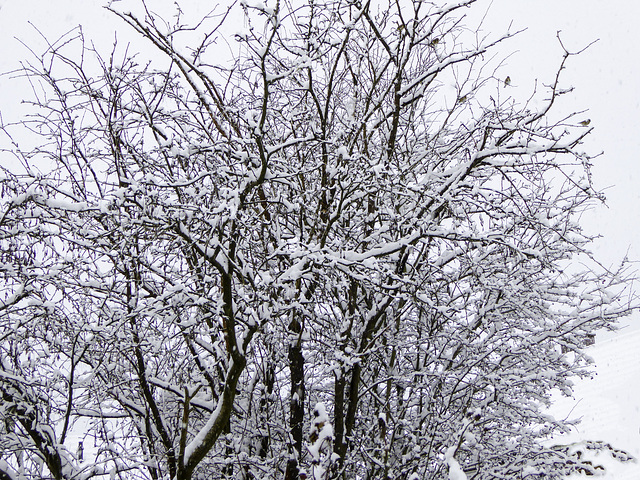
column 606, row 78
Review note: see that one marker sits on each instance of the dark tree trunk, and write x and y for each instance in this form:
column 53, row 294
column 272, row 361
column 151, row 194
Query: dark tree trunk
column 296, row 417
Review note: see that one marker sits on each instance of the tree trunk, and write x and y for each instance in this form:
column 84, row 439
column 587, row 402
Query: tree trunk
column 296, row 417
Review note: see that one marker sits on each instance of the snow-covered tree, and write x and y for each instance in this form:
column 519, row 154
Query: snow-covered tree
column 349, row 212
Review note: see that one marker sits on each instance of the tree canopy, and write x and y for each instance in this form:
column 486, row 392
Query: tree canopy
column 343, row 251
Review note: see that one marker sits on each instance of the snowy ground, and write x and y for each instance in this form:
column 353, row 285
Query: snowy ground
column 609, row 404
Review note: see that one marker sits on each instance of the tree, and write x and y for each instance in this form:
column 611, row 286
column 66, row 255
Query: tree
column 345, row 230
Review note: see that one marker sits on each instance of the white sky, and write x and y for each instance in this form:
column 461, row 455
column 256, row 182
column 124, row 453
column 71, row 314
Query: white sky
column 605, row 77
column 606, row 81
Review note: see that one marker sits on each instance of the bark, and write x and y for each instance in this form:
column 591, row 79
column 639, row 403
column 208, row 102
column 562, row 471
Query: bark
column 296, row 417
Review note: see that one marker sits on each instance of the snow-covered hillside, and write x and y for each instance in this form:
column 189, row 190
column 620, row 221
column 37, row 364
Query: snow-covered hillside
column 609, row 404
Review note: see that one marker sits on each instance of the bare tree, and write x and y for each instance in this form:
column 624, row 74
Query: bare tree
column 348, row 228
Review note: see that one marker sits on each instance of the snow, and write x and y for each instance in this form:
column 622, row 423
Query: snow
column 455, row 470
column 201, row 436
column 66, row 205
column 321, row 431
column 608, row 405
column 320, row 436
